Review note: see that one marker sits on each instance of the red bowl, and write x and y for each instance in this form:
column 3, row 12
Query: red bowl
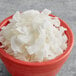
column 50, row 68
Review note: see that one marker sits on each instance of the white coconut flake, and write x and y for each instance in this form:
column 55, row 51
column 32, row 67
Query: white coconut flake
column 23, row 38
column 23, row 30
column 14, row 46
column 46, row 12
column 16, row 16
column 56, row 22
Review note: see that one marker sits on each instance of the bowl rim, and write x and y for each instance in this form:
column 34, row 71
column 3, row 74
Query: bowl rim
column 50, row 62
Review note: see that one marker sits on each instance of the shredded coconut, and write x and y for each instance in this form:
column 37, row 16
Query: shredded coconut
column 33, row 36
